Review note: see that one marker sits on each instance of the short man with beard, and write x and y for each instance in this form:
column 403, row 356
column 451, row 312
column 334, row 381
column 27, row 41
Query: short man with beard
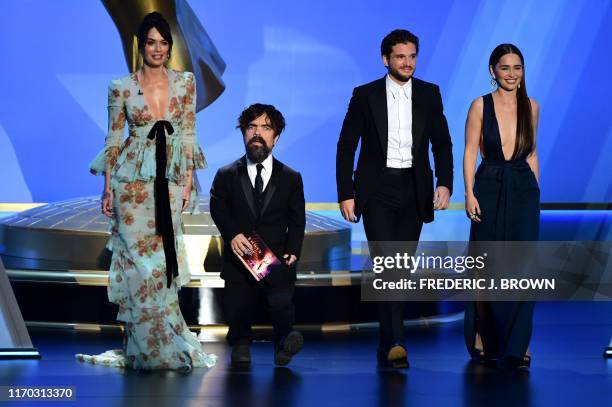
column 258, row 193
column 396, row 118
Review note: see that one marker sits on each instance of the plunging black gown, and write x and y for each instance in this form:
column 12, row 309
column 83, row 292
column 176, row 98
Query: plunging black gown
column 509, row 198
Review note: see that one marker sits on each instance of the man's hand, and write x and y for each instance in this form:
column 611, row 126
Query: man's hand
column 347, row 208
column 441, row 198
column 240, row 245
column 289, row 259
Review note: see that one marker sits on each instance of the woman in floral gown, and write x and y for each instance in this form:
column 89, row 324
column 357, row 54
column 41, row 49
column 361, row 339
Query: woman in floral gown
column 148, row 183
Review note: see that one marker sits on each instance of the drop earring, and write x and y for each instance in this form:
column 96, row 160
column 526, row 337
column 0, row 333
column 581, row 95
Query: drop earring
column 493, row 82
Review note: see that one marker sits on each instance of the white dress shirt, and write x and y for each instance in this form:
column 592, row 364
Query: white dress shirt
column 399, row 119
column 266, row 171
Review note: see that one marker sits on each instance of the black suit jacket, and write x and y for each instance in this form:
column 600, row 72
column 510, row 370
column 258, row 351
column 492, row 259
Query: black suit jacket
column 281, row 223
column 366, row 118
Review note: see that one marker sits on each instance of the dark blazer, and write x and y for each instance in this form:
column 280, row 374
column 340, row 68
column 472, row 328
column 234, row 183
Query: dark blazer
column 366, row 119
column 281, row 223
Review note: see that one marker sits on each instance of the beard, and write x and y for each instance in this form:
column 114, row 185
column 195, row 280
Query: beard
column 257, row 154
column 397, row 74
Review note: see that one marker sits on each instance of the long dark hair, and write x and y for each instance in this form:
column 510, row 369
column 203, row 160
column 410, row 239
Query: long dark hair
column 157, row 21
column 524, row 126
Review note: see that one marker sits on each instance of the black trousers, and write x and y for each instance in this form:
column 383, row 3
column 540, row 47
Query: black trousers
column 391, row 214
column 241, row 299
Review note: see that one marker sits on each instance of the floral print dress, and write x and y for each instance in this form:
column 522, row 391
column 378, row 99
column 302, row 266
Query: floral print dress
column 157, row 336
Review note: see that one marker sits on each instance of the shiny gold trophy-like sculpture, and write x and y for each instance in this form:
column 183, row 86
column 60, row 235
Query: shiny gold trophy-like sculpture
column 192, row 50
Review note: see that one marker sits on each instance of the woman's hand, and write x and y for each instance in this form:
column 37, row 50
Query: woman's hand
column 186, row 195
column 472, row 208
column 107, row 203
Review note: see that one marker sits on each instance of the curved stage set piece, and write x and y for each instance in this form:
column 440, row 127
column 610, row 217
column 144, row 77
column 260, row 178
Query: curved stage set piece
column 71, row 235
column 56, row 253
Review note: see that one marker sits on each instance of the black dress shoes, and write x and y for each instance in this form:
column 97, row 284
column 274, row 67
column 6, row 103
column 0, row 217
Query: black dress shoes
column 288, row 347
column 241, row 355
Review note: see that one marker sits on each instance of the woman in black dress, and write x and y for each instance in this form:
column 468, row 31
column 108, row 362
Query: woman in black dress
column 502, row 199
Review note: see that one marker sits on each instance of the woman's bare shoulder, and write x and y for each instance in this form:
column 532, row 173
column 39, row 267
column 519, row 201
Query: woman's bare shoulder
column 476, row 106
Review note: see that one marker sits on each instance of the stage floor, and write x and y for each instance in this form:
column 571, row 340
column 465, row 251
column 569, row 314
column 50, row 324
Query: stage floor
column 340, row 370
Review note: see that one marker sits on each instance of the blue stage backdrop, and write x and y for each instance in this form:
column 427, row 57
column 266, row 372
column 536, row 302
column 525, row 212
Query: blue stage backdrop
column 305, row 58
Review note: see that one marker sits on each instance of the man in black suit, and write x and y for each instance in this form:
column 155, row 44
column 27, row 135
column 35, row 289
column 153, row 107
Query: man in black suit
column 258, row 193
column 396, row 118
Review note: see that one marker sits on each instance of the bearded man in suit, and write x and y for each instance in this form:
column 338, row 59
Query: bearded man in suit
column 396, row 118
